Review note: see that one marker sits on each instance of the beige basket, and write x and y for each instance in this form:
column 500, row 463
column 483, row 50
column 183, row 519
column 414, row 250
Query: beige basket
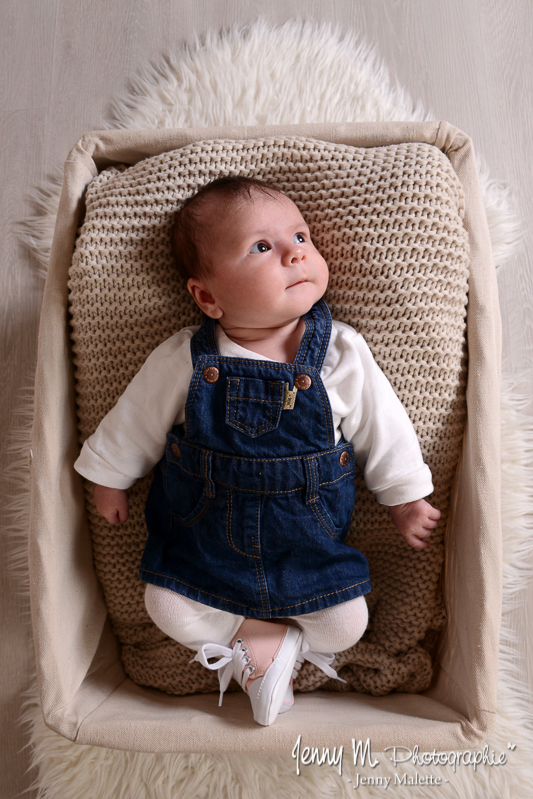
column 86, row 692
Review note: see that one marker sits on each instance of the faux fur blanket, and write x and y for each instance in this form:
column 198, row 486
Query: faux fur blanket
column 307, row 73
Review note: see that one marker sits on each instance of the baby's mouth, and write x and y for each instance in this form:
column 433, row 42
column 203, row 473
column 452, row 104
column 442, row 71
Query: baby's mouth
column 298, row 283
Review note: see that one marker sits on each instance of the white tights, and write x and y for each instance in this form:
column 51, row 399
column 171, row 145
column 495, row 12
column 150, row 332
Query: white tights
column 192, row 624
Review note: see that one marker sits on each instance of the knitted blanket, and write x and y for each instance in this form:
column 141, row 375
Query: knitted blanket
column 388, row 220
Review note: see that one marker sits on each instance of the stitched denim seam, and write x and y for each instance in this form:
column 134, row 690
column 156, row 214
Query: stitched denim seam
column 255, row 399
column 311, row 473
column 327, row 414
column 193, row 387
column 248, row 428
column 263, row 591
column 200, row 590
column 259, row 491
column 207, row 479
column 306, row 341
column 321, row 519
column 321, row 596
column 232, row 401
column 336, row 448
column 256, row 491
column 325, row 334
column 229, row 536
column 201, row 513
column 248, row 607
column 273, row 383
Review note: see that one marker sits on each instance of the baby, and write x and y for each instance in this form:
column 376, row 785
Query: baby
column 257, row 420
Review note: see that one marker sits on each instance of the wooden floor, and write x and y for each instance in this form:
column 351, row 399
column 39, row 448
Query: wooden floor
column 468, row 61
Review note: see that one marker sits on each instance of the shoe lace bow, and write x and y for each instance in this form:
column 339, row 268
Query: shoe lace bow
column 234, row 662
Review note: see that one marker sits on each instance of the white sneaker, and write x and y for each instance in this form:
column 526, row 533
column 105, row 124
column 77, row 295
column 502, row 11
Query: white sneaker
column 261, row 659
column 264, row 658
column 265, row 654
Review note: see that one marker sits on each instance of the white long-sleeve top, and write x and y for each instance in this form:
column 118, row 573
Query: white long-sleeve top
column 131, row 439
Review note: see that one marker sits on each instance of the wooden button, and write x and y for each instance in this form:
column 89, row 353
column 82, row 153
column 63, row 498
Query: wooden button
column 344, row 458
column 176, row 450
column 211, row 374
column 302, row 382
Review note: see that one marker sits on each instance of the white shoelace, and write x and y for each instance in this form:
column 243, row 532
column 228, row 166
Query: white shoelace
column 319, row 659
column 225, row 665
column 229, row 658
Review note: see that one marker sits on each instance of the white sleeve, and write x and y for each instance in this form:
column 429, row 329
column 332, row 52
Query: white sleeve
column 375, row 421
column 131, row 439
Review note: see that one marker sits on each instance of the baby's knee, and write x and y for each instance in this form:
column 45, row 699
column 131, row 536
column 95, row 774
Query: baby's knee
column 187, row 621
column 337, row 628
column 167, row 609
column 358, row 619
column 351, row 623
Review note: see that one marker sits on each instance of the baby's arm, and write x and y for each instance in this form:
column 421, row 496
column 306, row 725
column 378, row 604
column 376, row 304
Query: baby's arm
column 112, row 503
column 415, row 521
column 131, row 438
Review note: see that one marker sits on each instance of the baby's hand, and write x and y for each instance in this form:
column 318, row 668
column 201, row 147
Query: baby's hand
column 112, row 503
column 415, row 521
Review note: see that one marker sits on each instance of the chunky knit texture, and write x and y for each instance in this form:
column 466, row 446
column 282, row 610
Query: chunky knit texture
column 389, row 221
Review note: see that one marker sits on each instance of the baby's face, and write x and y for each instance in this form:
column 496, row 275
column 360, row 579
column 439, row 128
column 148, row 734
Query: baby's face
column 265, row 270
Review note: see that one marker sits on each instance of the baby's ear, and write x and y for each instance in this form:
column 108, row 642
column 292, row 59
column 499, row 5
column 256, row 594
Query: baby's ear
column 203, row 297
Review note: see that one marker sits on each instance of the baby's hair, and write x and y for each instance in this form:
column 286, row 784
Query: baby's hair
column 189, row 231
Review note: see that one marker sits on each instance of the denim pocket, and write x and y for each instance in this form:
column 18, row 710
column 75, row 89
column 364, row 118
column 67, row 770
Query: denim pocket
column 334, row 507
column 187, row 492
column 253, row 406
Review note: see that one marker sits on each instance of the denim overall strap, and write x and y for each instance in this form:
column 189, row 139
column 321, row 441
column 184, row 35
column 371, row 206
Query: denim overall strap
column 312, row 349
column 315, row 340
column 204, row 342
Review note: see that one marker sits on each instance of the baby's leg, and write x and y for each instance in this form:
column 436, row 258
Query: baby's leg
column 261, row 657
column 337, row 628
column 188, row 622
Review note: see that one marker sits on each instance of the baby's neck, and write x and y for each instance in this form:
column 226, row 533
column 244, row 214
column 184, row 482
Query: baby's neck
column 278, row 343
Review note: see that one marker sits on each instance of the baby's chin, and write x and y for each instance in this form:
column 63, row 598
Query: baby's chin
column 302, row 296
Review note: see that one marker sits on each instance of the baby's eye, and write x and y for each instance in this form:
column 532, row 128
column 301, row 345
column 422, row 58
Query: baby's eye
column 298, row 238
column 259, row 247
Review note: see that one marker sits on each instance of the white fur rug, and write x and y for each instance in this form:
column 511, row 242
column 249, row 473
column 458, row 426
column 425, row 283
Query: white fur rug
column 300, row 72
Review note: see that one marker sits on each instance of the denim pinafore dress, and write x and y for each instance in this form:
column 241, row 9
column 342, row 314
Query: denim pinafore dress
column 250, row 505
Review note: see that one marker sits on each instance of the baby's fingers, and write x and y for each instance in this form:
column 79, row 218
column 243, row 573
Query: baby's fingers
column 433, row 513
column 418, row 541
column 419, row 538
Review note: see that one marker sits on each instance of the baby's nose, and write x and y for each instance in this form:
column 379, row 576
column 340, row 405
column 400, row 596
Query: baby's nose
column 294, row 255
